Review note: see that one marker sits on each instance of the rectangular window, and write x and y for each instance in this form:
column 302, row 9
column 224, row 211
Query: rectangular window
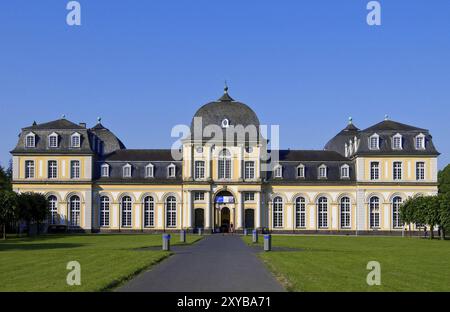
column 30, row 141
column 249, row 170
column 75, row 169
column 397, row 170
column 52, row 169
column 322, row 172
column 105, row 171
column 127, row 171
column 75, row 141
column 199, row 196
column 149, row 171
column 397, row 142
column 420, row 170
column 420, row 140
column 373, row 143
column 29, row 169
column 249, row 196
column 171, row 171
column 374, row 170
column 53, row 141
column 279, row 172
column 344, row 172
column 300, row 172
column 199, row 169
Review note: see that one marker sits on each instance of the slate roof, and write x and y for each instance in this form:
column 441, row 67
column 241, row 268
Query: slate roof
column 59, row 124
column 141, row 155
column 226, row 107
column 310, row 155
column 386, row 130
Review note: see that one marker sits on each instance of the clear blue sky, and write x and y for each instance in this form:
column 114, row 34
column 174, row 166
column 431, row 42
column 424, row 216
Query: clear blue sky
column 144, row 66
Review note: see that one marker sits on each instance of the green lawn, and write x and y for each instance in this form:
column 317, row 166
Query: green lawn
column 39, row 264
column 338, row 263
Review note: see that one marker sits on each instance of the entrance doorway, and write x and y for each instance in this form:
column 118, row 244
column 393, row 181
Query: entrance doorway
column 249, row 219
column 225, row 220
column 199, row 218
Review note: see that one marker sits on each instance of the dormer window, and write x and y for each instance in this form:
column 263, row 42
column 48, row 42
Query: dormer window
column 322, row 172
column 53, row 140
column 345, row 171
column 75, row 140
column 127, row 171
column 30, row 140
column 420, row 141
column 397, row 142
column 149, row 171
column 278, row 171
column 374, row 142
column 105, row 171
column 171, row 171
column 300, row 171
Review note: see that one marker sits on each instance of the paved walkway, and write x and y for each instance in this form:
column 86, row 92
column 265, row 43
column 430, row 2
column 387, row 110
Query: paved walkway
column 216, row 263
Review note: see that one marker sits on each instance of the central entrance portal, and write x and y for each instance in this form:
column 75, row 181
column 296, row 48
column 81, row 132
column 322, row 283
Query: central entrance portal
column 224, row 211
column 225, row 218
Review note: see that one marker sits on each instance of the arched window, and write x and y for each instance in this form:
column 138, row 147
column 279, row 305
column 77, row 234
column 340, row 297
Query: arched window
column 396, row 203
column 126, row 211
column 104, row 211
column 322, row 209
column 300, row 212
column 171, row 211
column 149, row 211
column 53, row 140
column 277, row 212
column 53, row 209
column 374, row 207
column 74, row 208
column 345, row 212
column 224, row 164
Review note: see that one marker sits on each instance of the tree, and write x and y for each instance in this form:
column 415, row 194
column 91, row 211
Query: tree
column 32, row 207
column 444, row 180
column 8, row 204
column 444, row 213
column 430, row 208
column 5, row 178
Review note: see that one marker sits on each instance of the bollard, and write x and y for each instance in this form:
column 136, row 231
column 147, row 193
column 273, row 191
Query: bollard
column 255, row 236
column 245, row 232
column 200, row 230
column 267, row 242
column 166, row 242
column 183, row 236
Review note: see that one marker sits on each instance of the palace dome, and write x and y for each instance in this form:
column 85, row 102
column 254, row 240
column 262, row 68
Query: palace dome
column 226, row 111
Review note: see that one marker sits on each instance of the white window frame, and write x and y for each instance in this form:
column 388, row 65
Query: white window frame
column 124, row 173
column 345, row 209
column 322, row 212
column 249, row 196
column 374, row 212
column 378, row 171
column 224, row 165
column 126, row 211
column 398, row 136
column 170, row 173
column 50, row 169
column 102, row 173
column 397, row 173
column 52, row 209
column 300, row 212
column 75, row 170
column 302, row 167
column 422, row 145
column 150, row 171
column 78, row 136
column 278, row 171
column 199, row 169
column 171, row 211
column 396, row 221
column 31, row 135
column 249, row 169
column 104, row 214
column 377, row 137
column 29, row 169
column 56, row 137
column 347, row 168
column 149, row 211
column 278, row 212
column 319, row 171
column 420, row 176
column 199, row 196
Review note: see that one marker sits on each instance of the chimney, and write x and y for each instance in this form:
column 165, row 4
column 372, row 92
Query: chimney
column 83, row 124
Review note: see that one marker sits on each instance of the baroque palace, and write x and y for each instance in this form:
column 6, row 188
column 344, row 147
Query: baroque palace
column 355, row 184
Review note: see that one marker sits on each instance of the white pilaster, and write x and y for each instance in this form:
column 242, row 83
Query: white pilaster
column 189, row 212
column 240, row 214
column 208, row 210
column 258, row 213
